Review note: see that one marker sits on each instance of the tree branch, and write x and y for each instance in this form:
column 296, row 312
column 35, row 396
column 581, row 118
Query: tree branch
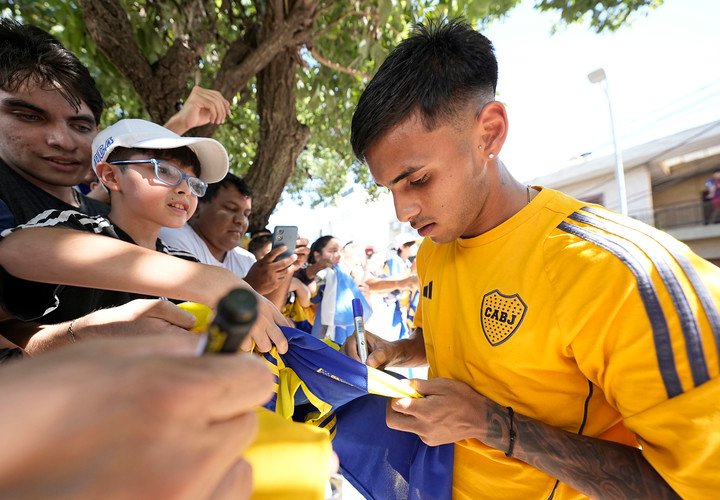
column 337, row 67
column 108, row 25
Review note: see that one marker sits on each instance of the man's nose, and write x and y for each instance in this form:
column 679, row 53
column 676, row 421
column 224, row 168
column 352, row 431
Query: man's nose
column 405, row 208
column 59, row 136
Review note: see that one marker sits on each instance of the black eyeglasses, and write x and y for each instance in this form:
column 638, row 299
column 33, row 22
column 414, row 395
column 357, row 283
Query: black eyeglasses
column 169, row 174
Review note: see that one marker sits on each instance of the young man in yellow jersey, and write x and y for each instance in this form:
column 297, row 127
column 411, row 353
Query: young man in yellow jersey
column 572, row 351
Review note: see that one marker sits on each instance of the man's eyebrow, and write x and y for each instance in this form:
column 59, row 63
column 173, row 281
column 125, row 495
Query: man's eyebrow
column 89, row 119
column 405, row 173
column 15, row 102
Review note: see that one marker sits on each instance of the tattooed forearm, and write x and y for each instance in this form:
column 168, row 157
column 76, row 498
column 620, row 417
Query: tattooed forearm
column 597, row 468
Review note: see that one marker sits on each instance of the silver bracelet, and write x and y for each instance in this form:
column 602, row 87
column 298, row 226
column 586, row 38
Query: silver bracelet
column 70, row 333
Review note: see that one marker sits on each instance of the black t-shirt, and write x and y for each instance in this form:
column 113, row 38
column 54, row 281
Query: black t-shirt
column 22, row 200
column 29, row 300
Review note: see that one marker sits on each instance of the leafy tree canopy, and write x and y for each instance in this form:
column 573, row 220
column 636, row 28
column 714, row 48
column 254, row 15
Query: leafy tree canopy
column 291, row 68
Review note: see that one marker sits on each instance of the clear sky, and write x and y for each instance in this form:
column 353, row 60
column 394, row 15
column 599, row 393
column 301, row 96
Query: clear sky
column 663, row 72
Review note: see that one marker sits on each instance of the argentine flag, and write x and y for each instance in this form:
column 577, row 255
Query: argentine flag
column 334, row 317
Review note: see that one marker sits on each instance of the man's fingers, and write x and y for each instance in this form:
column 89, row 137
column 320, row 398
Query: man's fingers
column 236, row 484
column 164, row 309
column 230, row 385
column 349, row 348
column 398, row 420
column 378, row 358
column 277, row 337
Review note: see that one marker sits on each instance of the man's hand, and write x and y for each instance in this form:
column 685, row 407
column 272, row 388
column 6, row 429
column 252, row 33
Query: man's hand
column 265, row 332
column 265, row 275
column 381, row 353
column 202, row 106
column 138, row 317
column 302, row 251
column 126, row 415
column 449, row 412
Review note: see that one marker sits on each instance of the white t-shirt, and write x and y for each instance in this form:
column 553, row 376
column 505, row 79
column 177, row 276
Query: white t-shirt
column 238, row 260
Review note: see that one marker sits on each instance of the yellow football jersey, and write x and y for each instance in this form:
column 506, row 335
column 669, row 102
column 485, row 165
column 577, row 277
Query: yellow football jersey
column 586, row 320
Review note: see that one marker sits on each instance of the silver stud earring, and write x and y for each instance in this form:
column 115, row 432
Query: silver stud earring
column 491, row 156
column 479, row 146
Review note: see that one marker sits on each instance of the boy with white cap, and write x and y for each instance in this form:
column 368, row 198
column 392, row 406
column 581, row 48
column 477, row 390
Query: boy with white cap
column 154, row 177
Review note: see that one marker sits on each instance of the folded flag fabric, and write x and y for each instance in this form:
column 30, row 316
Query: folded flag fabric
column 301, row 452
column 334, row 317
column 379, row 462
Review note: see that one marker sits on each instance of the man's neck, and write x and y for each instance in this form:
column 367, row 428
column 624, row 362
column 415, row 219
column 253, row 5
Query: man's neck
column 216, row 252
column 67, row 194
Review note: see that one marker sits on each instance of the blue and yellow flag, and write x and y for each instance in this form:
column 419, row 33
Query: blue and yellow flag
column 348, row 398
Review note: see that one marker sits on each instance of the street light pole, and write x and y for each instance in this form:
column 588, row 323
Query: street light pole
column 598, row 76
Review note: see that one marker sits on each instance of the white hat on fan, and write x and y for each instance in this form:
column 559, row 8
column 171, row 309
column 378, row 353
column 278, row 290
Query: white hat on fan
column 142, row 134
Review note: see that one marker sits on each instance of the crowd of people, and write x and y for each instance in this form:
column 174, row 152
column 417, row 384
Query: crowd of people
column 571, row 351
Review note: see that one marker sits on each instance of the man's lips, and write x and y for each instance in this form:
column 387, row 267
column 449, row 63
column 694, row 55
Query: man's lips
column 426, row 229
column 63, row 163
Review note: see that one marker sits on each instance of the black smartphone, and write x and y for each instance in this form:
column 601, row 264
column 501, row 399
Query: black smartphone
column 284, row 235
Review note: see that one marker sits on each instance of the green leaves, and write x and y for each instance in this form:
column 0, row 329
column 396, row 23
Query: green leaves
column 349, row 41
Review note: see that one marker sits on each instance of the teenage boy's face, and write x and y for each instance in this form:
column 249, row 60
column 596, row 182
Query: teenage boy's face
column 144, row 197
column 224, row 220
column 438, row 179
column 43, row 138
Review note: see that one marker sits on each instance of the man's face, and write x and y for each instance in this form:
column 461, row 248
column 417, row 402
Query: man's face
column 223, row 221
column 438, row 179
column 43, row 138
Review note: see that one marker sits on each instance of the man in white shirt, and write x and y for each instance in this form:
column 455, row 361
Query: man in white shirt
column 214, row 234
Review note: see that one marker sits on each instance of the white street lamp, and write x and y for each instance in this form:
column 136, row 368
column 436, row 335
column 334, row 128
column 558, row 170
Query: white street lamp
column 598, row 76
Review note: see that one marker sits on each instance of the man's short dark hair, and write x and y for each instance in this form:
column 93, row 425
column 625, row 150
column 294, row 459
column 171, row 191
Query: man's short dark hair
column 229, row 180
column 31, row 55
column 436, row 72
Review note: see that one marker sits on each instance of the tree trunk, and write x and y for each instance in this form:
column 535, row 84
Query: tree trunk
column 282, row 136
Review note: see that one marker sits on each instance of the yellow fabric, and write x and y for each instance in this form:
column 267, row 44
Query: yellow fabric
column 289, row 383
column 297, row 313
column 289, row 460
column 383, row 384
column 203, row 315
column 542, row 320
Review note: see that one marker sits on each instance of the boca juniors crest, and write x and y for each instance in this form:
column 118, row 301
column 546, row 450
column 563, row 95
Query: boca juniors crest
column 501, row 315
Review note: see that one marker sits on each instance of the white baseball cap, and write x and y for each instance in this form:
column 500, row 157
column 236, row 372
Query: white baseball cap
column 403, row 238
column 143, row 134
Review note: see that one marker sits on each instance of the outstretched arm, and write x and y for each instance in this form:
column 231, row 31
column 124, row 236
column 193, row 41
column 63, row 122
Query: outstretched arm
column 83, row 259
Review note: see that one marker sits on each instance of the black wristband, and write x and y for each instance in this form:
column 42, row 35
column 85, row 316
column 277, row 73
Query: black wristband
column 511, row 433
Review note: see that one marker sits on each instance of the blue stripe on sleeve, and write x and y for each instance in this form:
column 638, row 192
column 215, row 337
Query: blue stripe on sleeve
column 656, row 253
column 655, row 314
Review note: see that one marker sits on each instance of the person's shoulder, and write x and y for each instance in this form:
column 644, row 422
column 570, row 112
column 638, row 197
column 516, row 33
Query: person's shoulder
column 183, row 237
column 175, row 252
column 71, row 219
column 93, row 207
column 242, row 254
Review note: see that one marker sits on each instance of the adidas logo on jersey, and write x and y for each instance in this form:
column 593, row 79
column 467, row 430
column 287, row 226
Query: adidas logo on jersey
column 427, row 290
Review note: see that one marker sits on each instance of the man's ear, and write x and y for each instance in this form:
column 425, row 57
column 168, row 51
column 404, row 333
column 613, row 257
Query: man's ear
column 108, row 175
column 491, row 126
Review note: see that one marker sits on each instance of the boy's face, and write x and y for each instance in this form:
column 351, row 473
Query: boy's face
column 224, row 220
column 143, row 197
column 438, row 179
column 43, row 138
